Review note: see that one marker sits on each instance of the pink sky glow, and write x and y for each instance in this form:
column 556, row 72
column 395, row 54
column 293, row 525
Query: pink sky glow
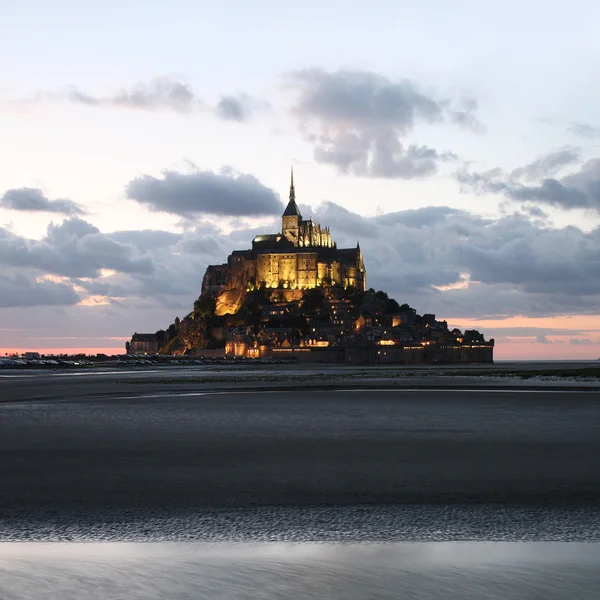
column 575, row 337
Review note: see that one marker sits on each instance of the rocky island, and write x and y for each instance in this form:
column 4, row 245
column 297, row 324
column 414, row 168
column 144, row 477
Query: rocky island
column 295, row 294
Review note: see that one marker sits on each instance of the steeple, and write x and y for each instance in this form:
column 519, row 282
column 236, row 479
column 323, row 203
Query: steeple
column 292, row 208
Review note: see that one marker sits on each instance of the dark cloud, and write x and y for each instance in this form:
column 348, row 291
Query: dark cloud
column 441, row 259
column 482, row 267
column 18, row 290
column 179, row 262
column 231, row 108
column 356, row 121
column 585, row 131
column 580, row 189
column 146, row 239
column 581, row 342
column 353, row 225
column 74, row 248
column 33, row 200
column 420, row 217
column 438, row 259
column 189, row 195
column 535, row 211
column 360, row 97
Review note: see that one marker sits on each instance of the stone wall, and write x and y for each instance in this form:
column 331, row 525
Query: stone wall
column 310, row 355
column 297, row 269
column 361, row 355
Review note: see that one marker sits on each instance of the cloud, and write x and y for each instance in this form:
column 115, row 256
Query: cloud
column 18, row 290
column 74, row 248
column 353, row 225
column 231, row 108
column 204, row 192
column 579, row 189
column 146, row 239
column 33, row 200
column 179, row 262
column 585, row 131
column 535, row 211
column 438, row 259
column 161, row 93
column 460, row 264
column 464, row 114
column 420, row 217
column 382, row 156
column 580, row 342
column 548, row 164
column 356, row 121
column 531, row 331
column 239, row 108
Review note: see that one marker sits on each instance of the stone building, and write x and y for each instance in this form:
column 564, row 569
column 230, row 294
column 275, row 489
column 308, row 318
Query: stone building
column 303, row 255
column 143, row 343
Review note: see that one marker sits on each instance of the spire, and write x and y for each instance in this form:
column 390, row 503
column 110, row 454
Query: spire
column 292, row 208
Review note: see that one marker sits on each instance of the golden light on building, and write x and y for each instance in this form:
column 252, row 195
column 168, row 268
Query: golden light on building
column 387, row 343
column 300, row 256
column 253, row 353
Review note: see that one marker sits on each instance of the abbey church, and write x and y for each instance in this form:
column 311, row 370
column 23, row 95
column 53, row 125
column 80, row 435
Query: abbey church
column 303, row 255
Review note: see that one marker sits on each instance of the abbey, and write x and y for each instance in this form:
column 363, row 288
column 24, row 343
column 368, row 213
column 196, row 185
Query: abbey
column 295, row 296
column 303, row 255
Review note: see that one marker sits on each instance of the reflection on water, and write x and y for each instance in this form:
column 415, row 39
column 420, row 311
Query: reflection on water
column 34, row 571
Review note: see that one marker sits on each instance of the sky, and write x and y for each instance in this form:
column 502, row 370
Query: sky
column 458, row 142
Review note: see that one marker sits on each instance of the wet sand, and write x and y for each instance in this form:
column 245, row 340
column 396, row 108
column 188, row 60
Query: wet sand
column 103, row 448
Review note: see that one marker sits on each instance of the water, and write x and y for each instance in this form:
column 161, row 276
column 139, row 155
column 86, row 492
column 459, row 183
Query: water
column 483, row 571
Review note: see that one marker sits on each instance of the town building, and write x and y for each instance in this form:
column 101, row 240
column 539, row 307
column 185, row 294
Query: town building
column 143, row 343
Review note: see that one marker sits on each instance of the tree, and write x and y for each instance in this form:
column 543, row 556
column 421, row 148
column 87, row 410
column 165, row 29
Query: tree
column 314, row 302
column 205, row 306
column 392, row 307
column 355, row 296
column 171, row 332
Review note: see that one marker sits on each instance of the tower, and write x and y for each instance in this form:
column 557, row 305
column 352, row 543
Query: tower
column 291, row 218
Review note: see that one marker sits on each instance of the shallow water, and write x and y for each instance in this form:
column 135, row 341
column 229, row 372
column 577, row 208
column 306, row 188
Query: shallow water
column 37, row 571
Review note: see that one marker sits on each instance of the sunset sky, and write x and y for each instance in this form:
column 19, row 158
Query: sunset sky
column 140, row 142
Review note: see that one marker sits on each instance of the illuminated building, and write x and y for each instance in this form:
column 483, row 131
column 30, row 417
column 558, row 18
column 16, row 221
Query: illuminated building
column 302, row 256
